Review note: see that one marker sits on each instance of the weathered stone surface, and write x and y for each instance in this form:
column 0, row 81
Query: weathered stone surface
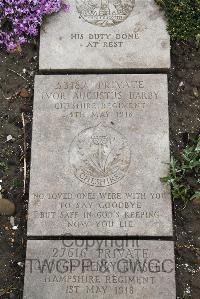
column 99, row 269
column 100, row 145
column 133, row 38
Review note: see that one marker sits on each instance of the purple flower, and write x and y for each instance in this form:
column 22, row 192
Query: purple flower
column 20, row 19
column 65, row 6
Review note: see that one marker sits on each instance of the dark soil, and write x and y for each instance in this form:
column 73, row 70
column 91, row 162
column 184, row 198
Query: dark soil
column 184, row 111
column 16, row 99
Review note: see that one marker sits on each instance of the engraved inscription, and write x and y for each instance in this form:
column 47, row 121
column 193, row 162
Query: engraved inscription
column 105, row 13
column 99, row 268
column 100, row 156
column 97, row 172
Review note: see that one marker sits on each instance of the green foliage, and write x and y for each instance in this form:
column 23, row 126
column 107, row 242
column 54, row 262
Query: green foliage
column 3, row 166
column 183, row 18
column 16, row 183
column 184, row 174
